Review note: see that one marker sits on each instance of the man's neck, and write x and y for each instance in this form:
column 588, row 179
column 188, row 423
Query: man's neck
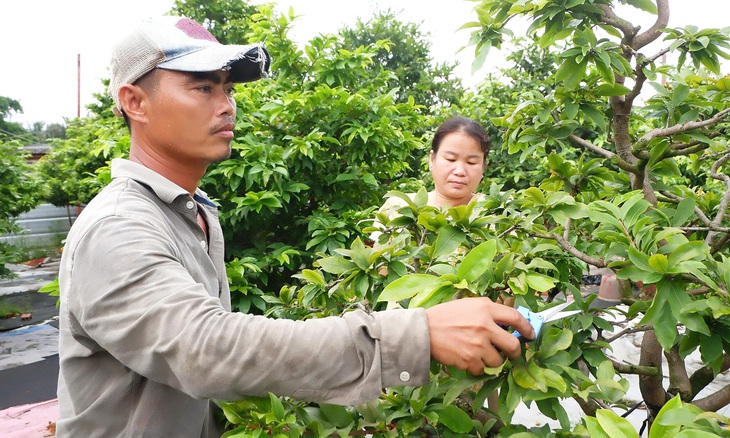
column 180, row 174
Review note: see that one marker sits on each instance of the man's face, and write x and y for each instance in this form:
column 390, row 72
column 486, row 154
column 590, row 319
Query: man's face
column 191, row 117
column 457, row 168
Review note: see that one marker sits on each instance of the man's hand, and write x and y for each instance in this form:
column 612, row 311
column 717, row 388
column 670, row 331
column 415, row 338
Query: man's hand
column 465, row 333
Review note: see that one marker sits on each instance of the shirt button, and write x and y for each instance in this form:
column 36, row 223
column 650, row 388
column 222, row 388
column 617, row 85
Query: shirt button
column 190, row 205
column 405, row 376
column 202, row 244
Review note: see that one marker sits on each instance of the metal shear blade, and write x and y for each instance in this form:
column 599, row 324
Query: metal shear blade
column 537, row 319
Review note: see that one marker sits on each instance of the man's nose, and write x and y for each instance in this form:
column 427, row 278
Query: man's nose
column 227, row 103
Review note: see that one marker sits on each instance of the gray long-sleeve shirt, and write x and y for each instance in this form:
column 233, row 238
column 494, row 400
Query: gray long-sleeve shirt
column 147, row 337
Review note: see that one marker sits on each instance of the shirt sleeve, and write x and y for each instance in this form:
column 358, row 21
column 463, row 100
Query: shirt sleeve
column 130, row 296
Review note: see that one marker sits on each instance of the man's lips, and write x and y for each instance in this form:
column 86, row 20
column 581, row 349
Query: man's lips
column 224, row 130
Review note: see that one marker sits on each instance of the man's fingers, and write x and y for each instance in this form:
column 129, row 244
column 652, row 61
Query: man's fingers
column 491, row 357
column 509, row 316
column 507, row 343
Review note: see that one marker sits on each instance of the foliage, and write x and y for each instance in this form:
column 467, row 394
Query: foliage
column 18, row 194
column 11, row 130
column 423, row 242
column 641, row 190
column 407, row 56
column 315, row 144
column 76, row 168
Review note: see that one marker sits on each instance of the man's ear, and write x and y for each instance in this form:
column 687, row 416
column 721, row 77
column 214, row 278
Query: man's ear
column 132, row 99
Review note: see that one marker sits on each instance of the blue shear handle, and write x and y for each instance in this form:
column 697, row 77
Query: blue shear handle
column 535, row 320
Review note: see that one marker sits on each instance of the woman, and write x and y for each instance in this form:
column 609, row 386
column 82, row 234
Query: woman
column 457, row 161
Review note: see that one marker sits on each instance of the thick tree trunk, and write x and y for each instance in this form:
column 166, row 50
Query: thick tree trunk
column 651, row 385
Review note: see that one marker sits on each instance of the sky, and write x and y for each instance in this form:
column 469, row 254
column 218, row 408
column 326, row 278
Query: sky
column 55, row 52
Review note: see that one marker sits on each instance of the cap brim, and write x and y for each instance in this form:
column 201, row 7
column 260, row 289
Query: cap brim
column 246, row 63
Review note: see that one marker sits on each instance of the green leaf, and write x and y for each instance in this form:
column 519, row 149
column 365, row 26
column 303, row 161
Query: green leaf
column 694, row 250
column 615, row 426
column 539, row 282
column 407, row 287
column 477, row 261
column 684, row 211
column 430, row 297
column 555, row 340
column 313, row 277
column 335, row 265
column 644, row 5
column 336, row 414
column 659, row 263
column 594, row 428
column 664, row 322
column 661, row 430
column 448, row 240
column 639, row 259
column 455, row 419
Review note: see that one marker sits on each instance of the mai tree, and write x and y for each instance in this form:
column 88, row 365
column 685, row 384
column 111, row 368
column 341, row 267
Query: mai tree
column 638, row 157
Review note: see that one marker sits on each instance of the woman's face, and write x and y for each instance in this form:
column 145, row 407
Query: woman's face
column 457, row 169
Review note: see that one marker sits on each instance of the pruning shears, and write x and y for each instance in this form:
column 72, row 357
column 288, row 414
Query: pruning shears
column 537, row 319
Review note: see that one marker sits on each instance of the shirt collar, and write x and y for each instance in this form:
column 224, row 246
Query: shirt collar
column 165, row 189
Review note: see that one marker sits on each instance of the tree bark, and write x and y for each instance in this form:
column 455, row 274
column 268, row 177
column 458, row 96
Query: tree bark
column 651, row 387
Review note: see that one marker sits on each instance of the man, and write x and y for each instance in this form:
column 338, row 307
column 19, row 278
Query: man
column 147, row 335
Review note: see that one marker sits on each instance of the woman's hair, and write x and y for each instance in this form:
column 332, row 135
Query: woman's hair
column 465, row 125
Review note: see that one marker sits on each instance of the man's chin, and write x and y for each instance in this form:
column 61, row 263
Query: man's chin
column 222, row 157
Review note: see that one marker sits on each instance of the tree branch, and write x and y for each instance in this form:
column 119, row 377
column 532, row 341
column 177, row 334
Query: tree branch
column 704, row 376
column 625, row 368
column 678, row 378
column 623, row 164
column 651, row 387
column 722, row 208
column 572, row 250
column 653, row 33
column 628, row 331
column 680, row 128
column 715, row 400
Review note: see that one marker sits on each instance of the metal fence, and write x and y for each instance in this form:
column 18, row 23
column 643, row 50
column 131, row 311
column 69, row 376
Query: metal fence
column 44, row 226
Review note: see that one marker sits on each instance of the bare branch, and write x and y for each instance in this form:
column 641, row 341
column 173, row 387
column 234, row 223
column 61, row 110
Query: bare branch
column 591, row 147
column 722, row 208
column 623, row 164
column 688, row 151
column 627, row 331
column 638, row 85
column 625, row 27
column 714, row 401
column 572, row 250
column 658, row 55
column 625, row 368
column 653, row 33
column 720, row 243
column 704, row 376
column 680, row 128
column 651, row 387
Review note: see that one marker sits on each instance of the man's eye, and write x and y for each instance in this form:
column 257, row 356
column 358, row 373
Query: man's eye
column 205, row 88
column 230, row 91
